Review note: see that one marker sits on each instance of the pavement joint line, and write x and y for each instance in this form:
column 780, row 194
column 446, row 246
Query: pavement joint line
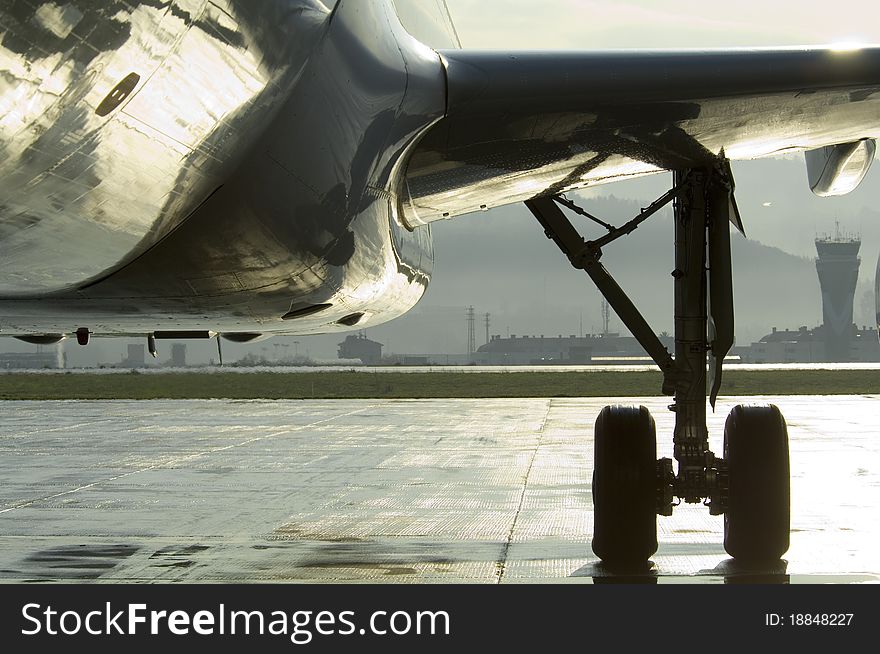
column 189, row 457
column 502, row 563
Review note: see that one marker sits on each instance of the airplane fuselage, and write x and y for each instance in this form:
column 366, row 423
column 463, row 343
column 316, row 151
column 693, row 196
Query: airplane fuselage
column 225, row 166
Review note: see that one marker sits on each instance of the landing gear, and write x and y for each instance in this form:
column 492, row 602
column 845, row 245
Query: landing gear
column 756, row 452
column 750, row 485
column 624, row 486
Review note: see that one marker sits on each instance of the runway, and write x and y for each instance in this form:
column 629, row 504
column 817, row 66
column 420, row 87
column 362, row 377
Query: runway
column 399, row 491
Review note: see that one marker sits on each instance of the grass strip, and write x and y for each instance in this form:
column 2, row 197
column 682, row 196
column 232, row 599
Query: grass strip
column 352, row 385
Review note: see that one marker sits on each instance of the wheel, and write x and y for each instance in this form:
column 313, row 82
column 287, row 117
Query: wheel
column 625, row 486
column 756, row 522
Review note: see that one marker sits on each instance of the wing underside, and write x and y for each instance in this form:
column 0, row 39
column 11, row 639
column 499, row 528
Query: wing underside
column 528, row 124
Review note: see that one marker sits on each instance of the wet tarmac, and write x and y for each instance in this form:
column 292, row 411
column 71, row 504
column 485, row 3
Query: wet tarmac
column 399, row 491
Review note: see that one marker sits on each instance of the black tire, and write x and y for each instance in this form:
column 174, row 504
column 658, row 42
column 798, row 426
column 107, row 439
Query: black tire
column 757, row 520
column 625, row 486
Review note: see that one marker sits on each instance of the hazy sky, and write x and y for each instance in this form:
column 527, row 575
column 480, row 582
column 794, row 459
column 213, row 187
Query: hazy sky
column 555, row 24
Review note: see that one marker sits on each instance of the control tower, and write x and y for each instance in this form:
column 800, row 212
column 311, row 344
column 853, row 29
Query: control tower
column 838, row 268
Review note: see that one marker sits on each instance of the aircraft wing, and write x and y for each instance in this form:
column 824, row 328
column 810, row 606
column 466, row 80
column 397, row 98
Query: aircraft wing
column 520, row 125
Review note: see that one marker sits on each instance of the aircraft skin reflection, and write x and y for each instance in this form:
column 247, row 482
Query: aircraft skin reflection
column 236, row 180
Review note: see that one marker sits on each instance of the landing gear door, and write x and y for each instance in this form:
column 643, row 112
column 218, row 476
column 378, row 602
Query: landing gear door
column 721, row 337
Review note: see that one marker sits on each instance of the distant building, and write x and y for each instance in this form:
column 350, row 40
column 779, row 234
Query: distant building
column 787, row 346
column 358, row 346
column 561, row 350
column 809, row 346
column 526, row 350
column 136, row 357
column 178, row 355
column 32, row 360
column 838, row 268
column 838, row 339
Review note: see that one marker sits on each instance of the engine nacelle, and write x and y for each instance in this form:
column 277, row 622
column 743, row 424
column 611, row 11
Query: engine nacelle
column 839, row 169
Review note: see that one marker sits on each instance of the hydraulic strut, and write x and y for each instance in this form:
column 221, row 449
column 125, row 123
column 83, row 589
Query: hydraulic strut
column 691, row 436
column 702, row 205
column 586, row 255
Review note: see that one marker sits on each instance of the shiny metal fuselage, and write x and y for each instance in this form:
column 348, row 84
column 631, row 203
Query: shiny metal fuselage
column 251, row 173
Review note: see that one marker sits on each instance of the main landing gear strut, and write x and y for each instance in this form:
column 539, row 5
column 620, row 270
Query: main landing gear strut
column 750, row 484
